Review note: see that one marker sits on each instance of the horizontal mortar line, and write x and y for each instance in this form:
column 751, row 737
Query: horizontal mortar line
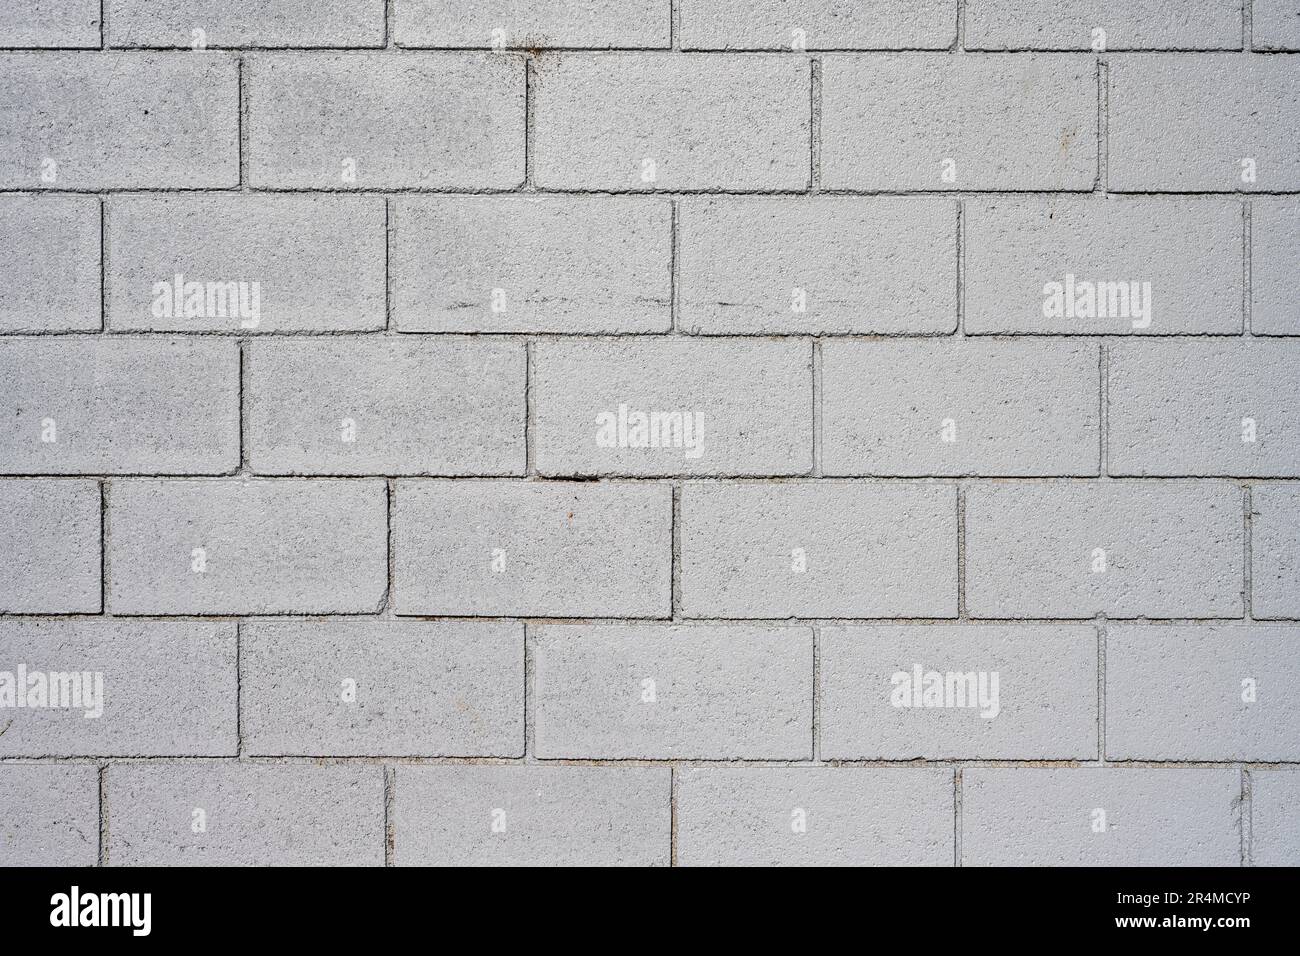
column 757, row 763
column 615, row 49
column 416, row 617
column 737, row 480
column 705, row 192
column 1097, row 338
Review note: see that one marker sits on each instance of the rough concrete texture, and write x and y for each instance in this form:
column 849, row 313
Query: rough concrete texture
column 329, row 688
column 1042, row 703
column 649, row 432
column 815, row 816
column 532, row 816
column 250, row 814
column 1100, row 816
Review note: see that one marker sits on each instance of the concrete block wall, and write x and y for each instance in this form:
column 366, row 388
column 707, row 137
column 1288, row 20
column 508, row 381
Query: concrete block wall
column 649, row 432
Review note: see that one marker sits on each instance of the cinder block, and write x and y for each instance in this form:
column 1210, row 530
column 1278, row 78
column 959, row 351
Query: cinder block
column 50, row 23
column 232, row 546
column 814, row 816
column 1275, row 551
column 533, row 24
column 510, row 264
column 1227, row 407
column 964, row 407
column 1102, row 25
column 251, row 814
column 1203, row 123
column 672, row 406
column 660, row 692
column 532, row 549
column 963, row 692
column 1071, row 266
column 49, row 815
column 1275, row 24
column 150, row 688
column 816, row 25
column 1074, row 549
column 235, row 23
column 1100, row 816
column 532, row 816
column 299, row 264
column 123, row 120
column 1202, row 693
column 1274, row 812
column 820, row 265
column 366, row 688
column 1275, row 262
column 647, row 121
column 819, row 549
column 373, row 121
column 935, row 121
column 49, row 254
column 119, row 405
column 49, row 536
column 354, row 405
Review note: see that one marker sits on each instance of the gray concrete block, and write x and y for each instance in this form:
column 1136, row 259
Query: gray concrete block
column 814, row 816
column 823, row 549
column 366, row 688
column 355, row 405
column 826, row 264
column 50, row 23
column 1072, row 266
column 964, row 407
column 1219, row 407
column 512, row 264
column 1275, row 24
column 49, row 254
column 646, row 121
column 1123, row 25
column 1202, row 693
column 532, row 24
column 672, row 406
column 532, row 549
column 231, row 546
column 119, row 405
column 532, row 816
column 1100, row 816
column 660, row 692
column 1203, row 123
column 1072, row 549
column 816, row 25
column 251, row 814
column 933, row 121
column 1275, row 551
column 122, row 120
column 49, row 815
column 301, row 264
column 160, row 688
column 930, row 692
column 1274, row 263
column 372, row 121
column 1274, row 813
column 235, row 23
column 49, row 536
